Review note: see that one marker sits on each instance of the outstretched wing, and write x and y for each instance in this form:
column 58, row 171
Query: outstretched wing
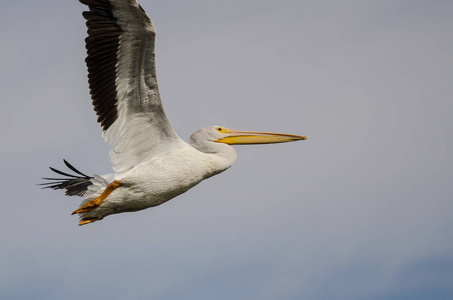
column 123, row 82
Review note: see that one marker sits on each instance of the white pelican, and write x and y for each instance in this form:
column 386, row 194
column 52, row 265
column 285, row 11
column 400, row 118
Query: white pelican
column 152, row 164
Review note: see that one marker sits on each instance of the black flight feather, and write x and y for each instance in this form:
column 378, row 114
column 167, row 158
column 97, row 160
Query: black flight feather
column 74, row 185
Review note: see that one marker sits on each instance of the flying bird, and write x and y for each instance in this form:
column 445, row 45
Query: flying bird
column 151, row 163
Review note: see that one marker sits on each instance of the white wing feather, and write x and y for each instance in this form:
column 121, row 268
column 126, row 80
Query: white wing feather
column 141, row 129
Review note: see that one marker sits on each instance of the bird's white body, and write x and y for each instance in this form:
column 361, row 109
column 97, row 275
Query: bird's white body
column 165, row 176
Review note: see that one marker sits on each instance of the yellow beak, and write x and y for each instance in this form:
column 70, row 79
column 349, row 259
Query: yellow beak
column 237, row 137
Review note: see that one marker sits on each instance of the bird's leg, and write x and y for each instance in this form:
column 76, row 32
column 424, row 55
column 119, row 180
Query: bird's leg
column 98, row 201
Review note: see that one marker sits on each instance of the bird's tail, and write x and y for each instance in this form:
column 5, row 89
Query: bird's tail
column 75, row 185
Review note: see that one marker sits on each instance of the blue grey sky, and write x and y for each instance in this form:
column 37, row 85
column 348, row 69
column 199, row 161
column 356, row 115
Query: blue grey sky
column 361, row 210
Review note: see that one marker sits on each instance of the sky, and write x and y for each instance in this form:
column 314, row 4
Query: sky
column 363, row 209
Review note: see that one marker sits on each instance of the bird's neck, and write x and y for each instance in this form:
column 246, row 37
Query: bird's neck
column 218, row 155
column 225, row 158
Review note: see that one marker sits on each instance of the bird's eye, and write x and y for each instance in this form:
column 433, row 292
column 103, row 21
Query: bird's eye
column 219, row 128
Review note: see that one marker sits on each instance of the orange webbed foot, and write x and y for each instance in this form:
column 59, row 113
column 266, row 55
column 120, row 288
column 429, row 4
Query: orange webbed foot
column 88, row 221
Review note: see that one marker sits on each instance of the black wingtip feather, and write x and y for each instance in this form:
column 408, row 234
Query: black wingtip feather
column 74, row 169
column 74, row 185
